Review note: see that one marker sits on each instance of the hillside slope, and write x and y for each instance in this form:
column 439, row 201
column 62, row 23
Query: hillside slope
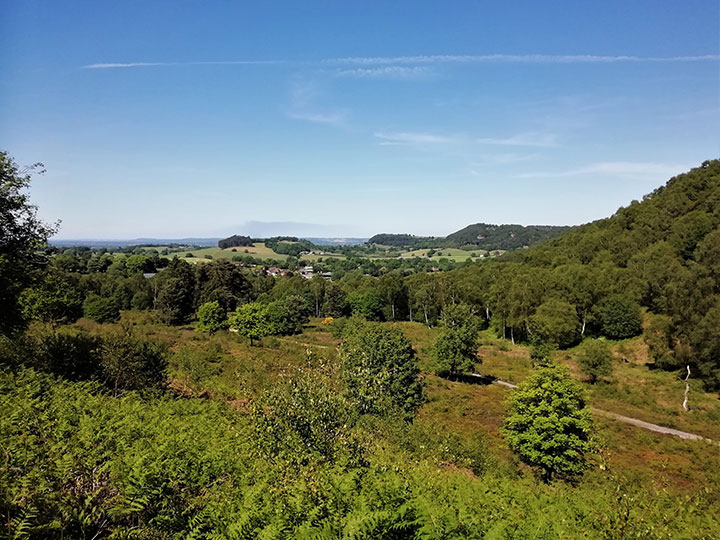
column 669, row 246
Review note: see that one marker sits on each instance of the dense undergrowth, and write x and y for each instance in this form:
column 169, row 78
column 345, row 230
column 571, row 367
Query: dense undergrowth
column 79, row 463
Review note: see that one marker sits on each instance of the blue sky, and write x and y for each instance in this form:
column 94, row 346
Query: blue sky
column 199, row 118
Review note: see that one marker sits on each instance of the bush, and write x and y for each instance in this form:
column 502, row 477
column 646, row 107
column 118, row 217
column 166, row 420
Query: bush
column 304, row 421
column 548, row 423
column 100, row 309
column 211, row 318
column 129, row 363
column 595, row 359
column 380, row 371
column 68, row 353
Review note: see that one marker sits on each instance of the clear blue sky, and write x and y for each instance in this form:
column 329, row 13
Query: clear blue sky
column 199, row 118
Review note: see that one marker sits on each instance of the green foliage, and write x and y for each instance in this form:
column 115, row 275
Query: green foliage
column 100, row 309
column 176, row 297
column 68, row 353
column 621, row 317
column 138, row 264
column 211, row 318
column 454, row 352
column 595, row 359
column 541, row 353
column 130, row 363
column 548, row 424
column 380, row 371
column 305, row 421
column 491, row 237
column 196, row 367
column 251, row 321
column 21, row 235
column 555, row 322
column 366, row 304
column 55, row 299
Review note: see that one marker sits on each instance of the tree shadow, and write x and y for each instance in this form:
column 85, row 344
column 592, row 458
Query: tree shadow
column 474, row 378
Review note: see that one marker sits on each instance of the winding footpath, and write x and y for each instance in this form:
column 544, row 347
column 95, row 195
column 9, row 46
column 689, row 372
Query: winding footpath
column 620, row 418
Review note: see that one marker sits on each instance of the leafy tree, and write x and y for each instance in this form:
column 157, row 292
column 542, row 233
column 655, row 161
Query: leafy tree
column 138, row 264
column 334, row 302
column 251, row 321
column 21, row 235
column 394, row 292
column 176, row 298
column 595, row 359
column 223, row 282
column 298, row 311
column 130, row 363
column 54, row 299
column 555, row 322
column 100, row 309
column 454, row 352
column 211, row 317
column 620, row 317
column 380, row 370
column 549, row 425
column 366, row 304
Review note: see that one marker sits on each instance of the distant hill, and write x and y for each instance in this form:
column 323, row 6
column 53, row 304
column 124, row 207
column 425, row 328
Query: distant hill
column 506, row 237
column 481, row 235
column 110, row 244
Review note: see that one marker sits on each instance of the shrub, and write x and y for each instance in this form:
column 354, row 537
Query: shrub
column 211, row 318
column 304, row 421
column 100, row 309
column 595, row 359
column 454, row 352
column 380, row 371
column 129, row 363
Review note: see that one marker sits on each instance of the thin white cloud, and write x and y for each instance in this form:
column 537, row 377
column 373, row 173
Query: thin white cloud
column 625, row 169
column 116, row 65
column 502, row 159
column 332, row 119
column 408, row 138
column 303, row 98
column 516, row 58
column 429, row 59
column 540, row 140
column 385, row 72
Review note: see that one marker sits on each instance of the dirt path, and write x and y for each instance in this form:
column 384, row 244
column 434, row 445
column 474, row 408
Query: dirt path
column 620, row 418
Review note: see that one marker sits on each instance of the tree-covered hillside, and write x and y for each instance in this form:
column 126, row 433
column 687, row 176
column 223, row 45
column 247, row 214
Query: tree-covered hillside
column 507, row 237
column 667, row 248
column 478, row 236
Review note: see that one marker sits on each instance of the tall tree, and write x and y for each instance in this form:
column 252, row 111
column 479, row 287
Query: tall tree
column 22, row 233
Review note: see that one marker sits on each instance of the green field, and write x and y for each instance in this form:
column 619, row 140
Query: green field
column 257, row 250
column 453, row 254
